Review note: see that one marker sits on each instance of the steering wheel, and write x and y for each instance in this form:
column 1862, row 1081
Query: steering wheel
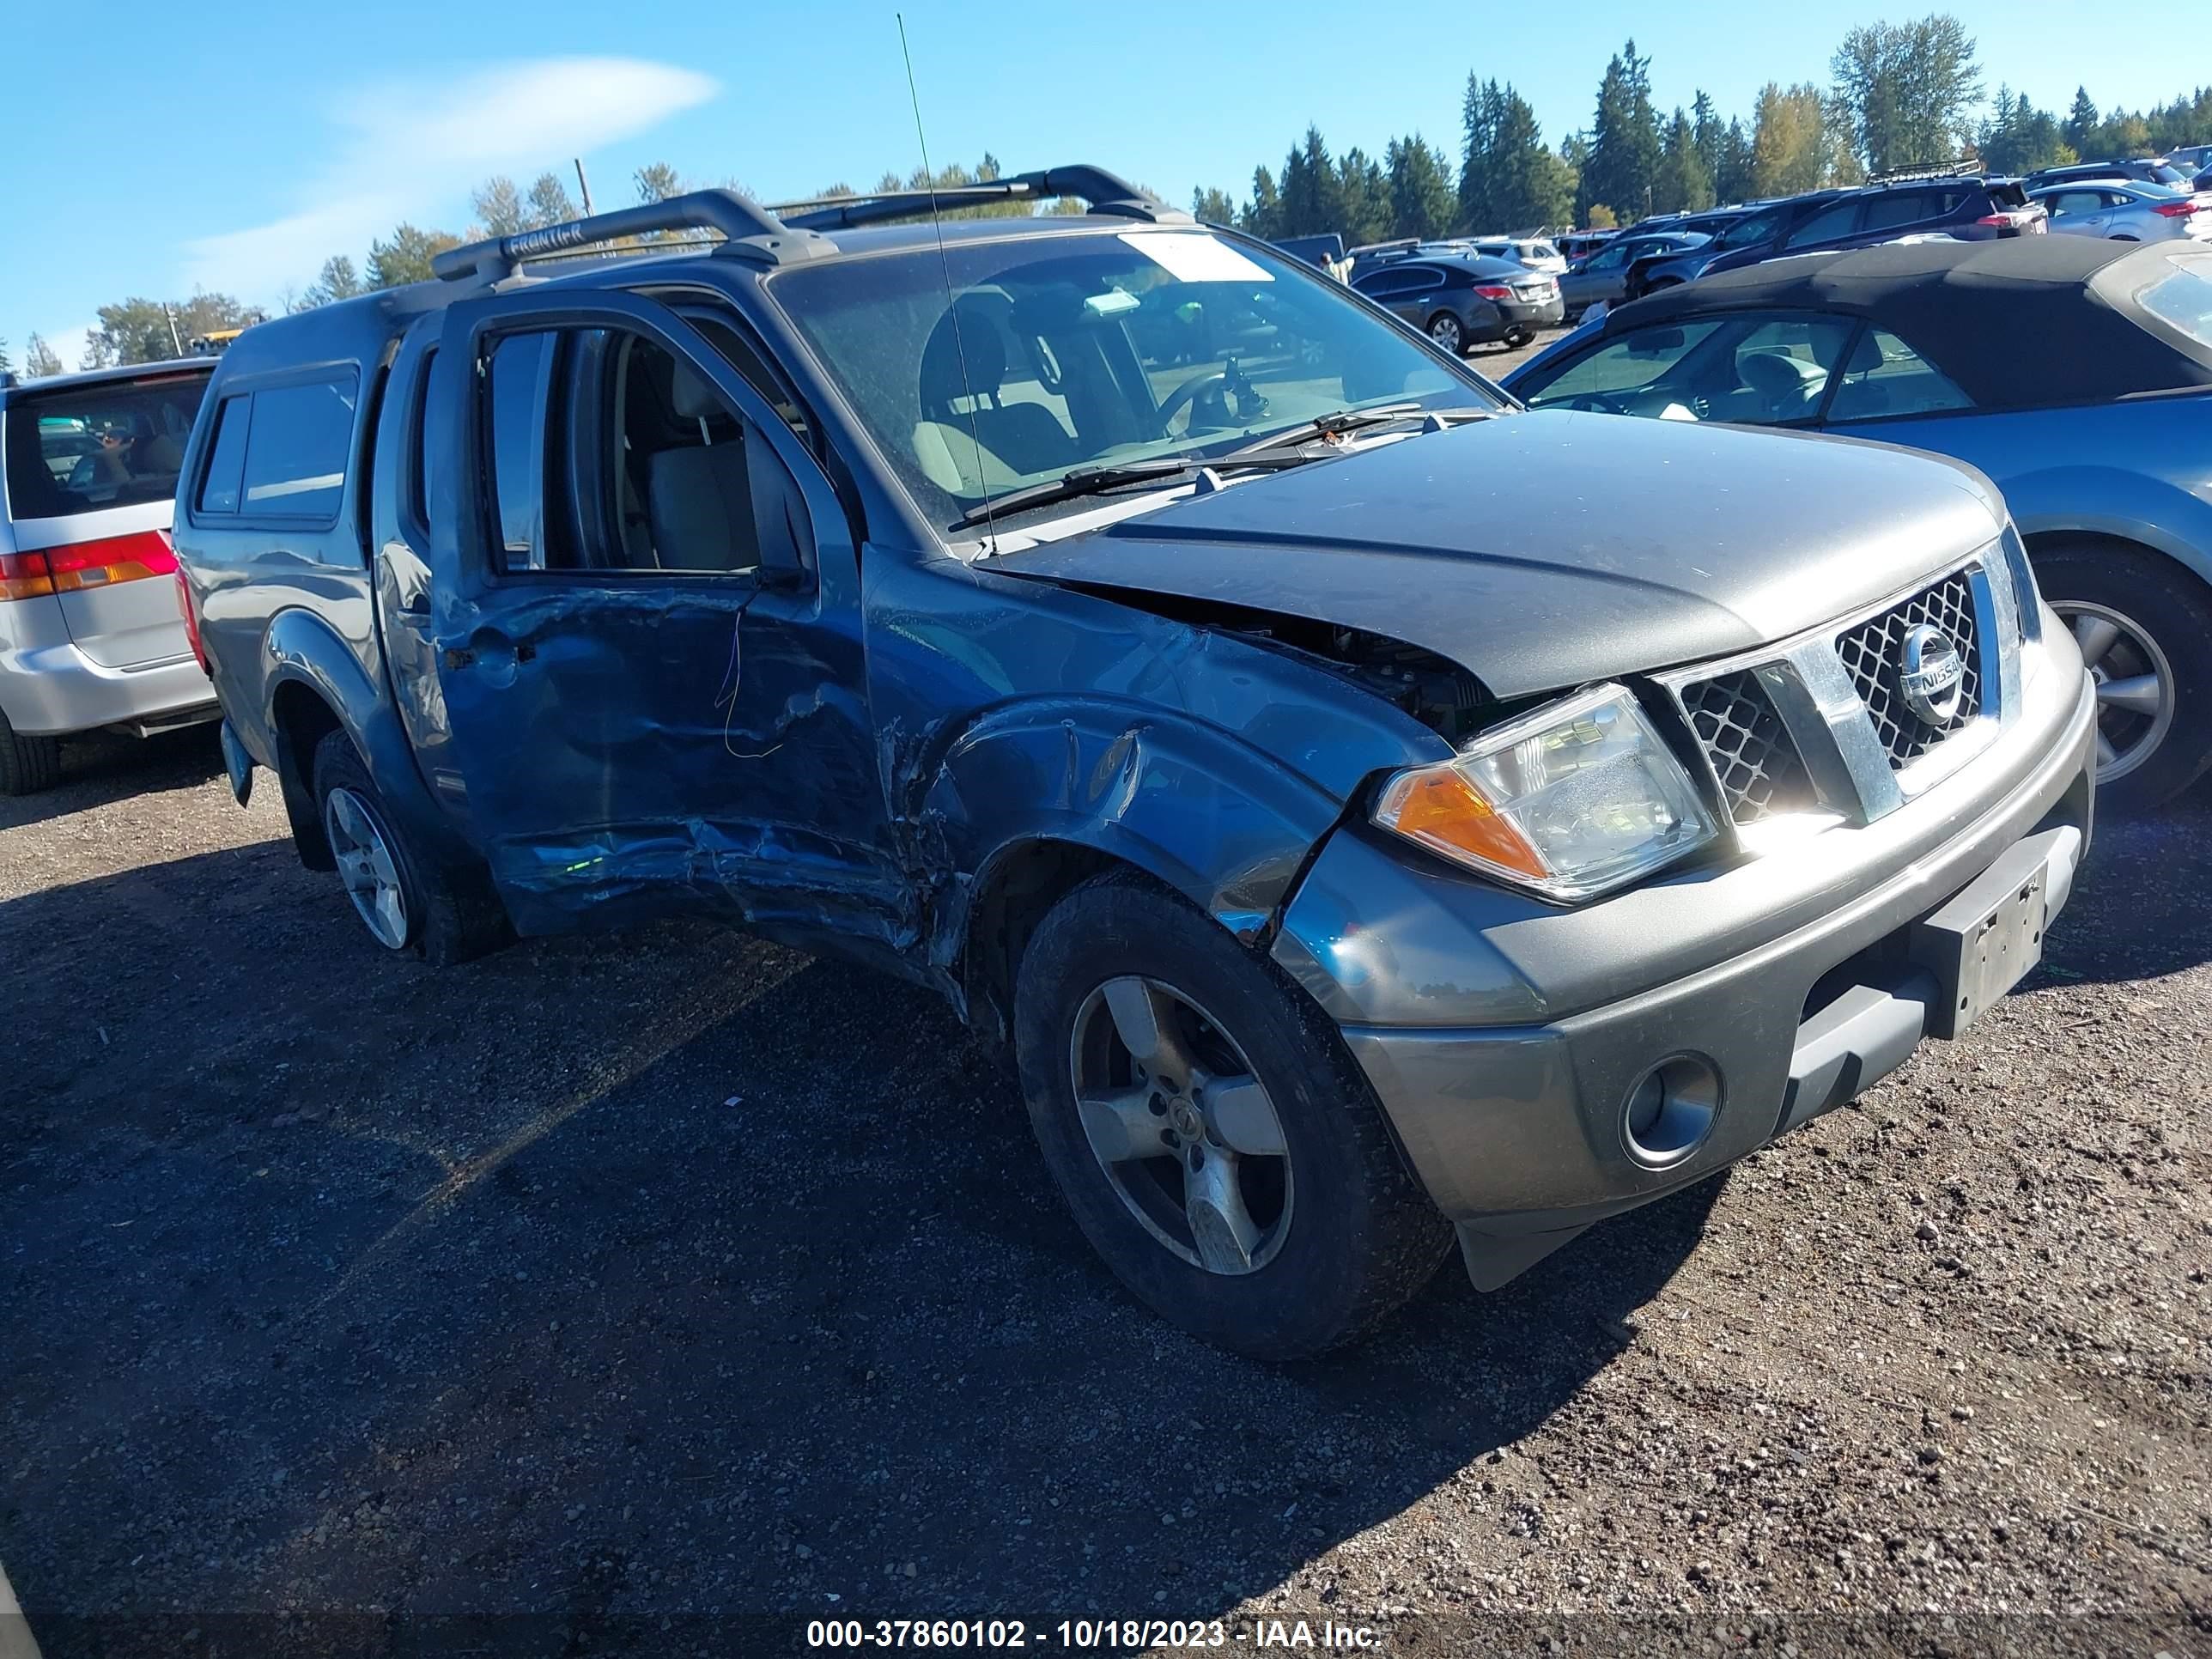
column 1182, row 396
column 1601, row 403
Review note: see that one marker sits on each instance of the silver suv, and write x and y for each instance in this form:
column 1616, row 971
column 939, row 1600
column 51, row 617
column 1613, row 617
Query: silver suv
column 91, row 635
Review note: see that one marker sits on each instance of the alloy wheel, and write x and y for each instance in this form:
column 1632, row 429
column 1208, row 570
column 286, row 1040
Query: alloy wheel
column 367, row 865
column 1445, row 331
column 2135, row 684
column 1181, row 1126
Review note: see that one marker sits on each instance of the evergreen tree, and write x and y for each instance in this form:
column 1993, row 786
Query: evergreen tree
column 2081, row 122
column 1624, row 142
column 1363, row 199
column 39, row 359
column 1213, row 207
column 336, row 281
column 1421, row 201
column 1312, row 201
column 406, row 256
column 1683, row 184
column 1263, row 214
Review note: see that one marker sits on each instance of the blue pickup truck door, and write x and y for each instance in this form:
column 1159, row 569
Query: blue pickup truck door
column 645, row 617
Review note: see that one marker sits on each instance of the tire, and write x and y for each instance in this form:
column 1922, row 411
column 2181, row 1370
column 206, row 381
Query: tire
column 1448, row 332
column 28, row 765
column 441, row 917
column 2138, row 614
column 1341, row 1236
column 1518, row 337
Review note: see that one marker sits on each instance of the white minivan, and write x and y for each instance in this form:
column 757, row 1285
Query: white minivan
column 91, row 633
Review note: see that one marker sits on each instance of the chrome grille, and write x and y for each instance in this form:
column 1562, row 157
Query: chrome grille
column 1873, row 654
column 1759, row 769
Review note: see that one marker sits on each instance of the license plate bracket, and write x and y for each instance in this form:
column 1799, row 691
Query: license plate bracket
column 1987, row 938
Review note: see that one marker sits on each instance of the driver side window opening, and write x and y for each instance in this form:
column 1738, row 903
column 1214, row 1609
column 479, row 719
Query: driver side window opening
column 607, row 452
column 1771, row 371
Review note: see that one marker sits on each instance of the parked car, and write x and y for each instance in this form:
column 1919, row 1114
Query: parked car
column 2144, row 170
column 2126, row 211
column 1459, row 301
column 1965, row 206
column 1578, row 245
column 90, row 635
column 1366, row 832
column 2076, row 374
column 1602, row 278
column 1529, row 252
column 1760, row 227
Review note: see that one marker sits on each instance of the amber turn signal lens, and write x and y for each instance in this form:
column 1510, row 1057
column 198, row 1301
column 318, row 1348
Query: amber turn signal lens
column 1443, row 809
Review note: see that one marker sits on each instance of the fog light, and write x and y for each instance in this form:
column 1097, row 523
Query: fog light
column 1671, row 1111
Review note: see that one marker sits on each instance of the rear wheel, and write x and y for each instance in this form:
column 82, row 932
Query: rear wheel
column 27, row 765
column 408, row 903
column 1445, row 330
column 1218, row 1145
column 2144, row 626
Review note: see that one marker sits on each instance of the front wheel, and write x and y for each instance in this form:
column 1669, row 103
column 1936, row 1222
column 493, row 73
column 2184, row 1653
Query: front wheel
column 1218, row 1146
column 1445, row 330
column 2144, row 626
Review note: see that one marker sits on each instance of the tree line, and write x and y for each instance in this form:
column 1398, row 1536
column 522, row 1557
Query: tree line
column 1900, row 95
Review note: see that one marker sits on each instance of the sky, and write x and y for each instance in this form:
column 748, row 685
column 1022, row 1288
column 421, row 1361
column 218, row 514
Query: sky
column 235, row 144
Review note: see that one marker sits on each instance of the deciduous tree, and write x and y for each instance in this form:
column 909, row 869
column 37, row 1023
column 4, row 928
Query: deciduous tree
column 1911, row 89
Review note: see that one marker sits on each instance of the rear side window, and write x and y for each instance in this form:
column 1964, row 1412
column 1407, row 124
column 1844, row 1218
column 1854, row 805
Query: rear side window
column 225, row 473
column 1901, row 207
column 1830, row 223
column 296, row 449
column 111, row 443
column 2183, row 299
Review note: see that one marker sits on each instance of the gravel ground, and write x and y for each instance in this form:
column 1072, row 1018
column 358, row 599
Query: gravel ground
column 606, row 1294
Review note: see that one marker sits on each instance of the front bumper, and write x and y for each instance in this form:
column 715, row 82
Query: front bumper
column 1516, row 1124
column 55, row 690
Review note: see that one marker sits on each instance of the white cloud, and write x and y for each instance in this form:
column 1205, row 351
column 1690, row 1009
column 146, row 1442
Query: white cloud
column 408, row 151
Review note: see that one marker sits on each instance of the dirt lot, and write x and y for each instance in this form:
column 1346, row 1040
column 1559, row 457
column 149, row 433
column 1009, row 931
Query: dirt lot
column 607, row 1295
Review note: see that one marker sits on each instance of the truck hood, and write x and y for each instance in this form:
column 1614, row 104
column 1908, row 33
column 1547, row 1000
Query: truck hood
column 1546, row 549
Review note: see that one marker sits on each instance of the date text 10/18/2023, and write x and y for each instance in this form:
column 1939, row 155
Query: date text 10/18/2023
column 1080, row 1634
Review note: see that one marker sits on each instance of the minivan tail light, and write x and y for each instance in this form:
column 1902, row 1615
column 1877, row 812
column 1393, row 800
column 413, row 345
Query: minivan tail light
column 24, row 576
column 109, row 559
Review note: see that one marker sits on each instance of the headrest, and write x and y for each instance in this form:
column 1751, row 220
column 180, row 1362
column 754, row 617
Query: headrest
column 693, row 396
column 1865, row 355
column 977, row 339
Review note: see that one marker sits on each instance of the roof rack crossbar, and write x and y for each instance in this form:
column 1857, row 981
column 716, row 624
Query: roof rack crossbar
column 748, row 230
column 1967, row 167
column 1106, row 193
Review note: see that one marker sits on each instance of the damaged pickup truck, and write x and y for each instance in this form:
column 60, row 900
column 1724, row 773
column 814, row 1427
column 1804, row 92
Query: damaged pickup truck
column 1375, row 814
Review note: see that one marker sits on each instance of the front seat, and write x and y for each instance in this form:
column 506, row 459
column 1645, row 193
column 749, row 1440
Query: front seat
column 964, row 362
column 1860, row 399
column 699, row 498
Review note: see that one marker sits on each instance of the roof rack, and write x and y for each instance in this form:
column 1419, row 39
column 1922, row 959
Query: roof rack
column 747, row 232
column 1106, row 193
column 1967, row 167
column 790, row 233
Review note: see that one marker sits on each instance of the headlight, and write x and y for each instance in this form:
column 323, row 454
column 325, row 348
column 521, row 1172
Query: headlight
column 1579, row 798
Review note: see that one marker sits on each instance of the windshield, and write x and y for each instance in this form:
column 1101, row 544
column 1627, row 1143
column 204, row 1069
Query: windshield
column 109, row 443
column 1071, row 351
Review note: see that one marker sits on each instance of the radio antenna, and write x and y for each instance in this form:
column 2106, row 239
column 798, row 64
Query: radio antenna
column 945, row 266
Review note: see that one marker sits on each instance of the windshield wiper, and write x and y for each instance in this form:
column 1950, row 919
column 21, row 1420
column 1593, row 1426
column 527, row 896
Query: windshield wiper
column 1097, row 480
column 1349, row 420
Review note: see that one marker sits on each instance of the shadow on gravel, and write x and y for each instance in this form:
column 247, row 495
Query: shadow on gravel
column 612, row 1279
column 2141, row 908
column 105, row 766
